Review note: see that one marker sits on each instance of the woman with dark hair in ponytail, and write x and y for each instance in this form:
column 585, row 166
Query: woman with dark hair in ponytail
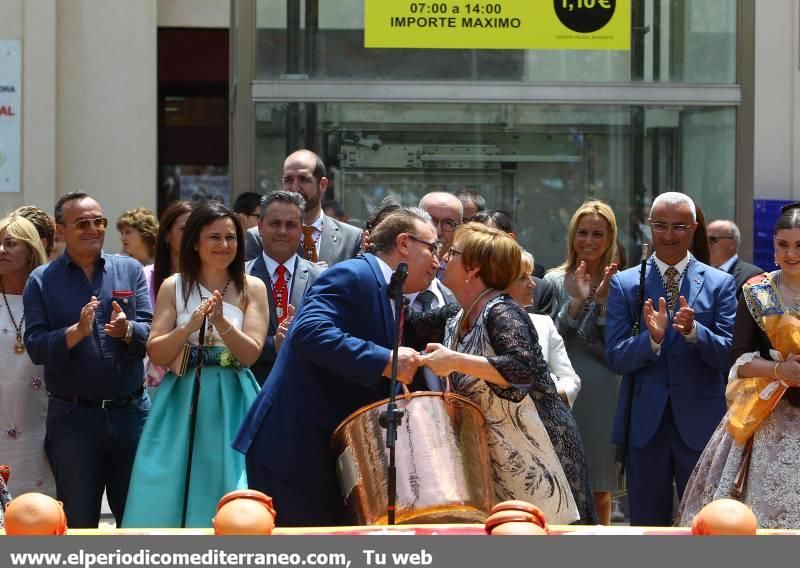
column 217, row 315
column 753, row 454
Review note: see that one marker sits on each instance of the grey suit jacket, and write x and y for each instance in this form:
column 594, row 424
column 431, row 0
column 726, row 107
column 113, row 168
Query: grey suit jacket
column 339, row 241
column 304, row 275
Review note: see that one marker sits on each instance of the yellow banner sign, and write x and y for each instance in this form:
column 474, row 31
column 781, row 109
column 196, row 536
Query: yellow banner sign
column 498, row 24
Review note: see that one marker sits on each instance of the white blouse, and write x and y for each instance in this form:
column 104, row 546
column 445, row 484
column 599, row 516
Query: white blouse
column 555, row 354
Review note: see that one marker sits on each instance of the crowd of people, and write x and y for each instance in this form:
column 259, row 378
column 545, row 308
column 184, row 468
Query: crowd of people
column 223, row 348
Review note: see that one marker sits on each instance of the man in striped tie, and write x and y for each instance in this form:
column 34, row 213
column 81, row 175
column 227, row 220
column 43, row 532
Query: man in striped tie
column 673, row 389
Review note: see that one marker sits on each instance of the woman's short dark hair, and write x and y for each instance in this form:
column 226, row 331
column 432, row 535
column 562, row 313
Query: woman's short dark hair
column 203, row 214
column 496, row 218
column 162, row 263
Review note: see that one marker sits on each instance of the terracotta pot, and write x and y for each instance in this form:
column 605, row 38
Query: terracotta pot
column 516, row 518
column 35, row 514
column 244, row 512
column 725, row 517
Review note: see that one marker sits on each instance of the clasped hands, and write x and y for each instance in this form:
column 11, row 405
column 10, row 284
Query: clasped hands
column 436, row 357
column 116, row 327
column 210, row 308
column 657, row 320
column 579, row 286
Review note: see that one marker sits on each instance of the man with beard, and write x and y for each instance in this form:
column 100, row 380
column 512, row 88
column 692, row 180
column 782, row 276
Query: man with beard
column 325, row 241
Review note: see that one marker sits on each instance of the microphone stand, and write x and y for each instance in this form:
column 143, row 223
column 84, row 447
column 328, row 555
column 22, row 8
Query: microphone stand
column 623, row 451
column 392, row 417
column 193, row 419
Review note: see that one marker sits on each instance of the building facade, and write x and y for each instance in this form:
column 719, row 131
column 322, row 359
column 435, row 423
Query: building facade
column 703, row 102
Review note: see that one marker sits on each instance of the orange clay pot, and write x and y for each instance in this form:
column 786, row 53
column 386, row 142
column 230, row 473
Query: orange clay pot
column 724, row 517
column 244, row 512
column 516, row 518
column 35, row 514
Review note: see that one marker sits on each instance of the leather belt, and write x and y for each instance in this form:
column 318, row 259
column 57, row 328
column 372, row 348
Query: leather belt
column 104, row 403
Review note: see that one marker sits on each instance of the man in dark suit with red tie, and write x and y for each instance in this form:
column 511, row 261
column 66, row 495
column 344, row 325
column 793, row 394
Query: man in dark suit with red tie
column 286, row 274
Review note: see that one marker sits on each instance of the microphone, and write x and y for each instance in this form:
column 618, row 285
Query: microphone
column 399, row 276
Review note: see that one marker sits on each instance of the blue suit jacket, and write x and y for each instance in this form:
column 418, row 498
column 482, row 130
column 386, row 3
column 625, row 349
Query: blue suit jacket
column 329, row 366
column 691, row 376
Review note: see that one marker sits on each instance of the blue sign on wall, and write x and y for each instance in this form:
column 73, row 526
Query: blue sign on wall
column 765, row 213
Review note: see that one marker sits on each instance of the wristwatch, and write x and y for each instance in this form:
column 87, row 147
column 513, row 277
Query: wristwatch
column 128, row 333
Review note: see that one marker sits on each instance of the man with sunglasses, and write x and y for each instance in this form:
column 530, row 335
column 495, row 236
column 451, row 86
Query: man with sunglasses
column 674, row 368
column 724, row 238
column 87, row 318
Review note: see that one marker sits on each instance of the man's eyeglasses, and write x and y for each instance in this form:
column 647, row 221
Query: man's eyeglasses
column 660, row 227
column 434, row 247
column 714, row 240
column 99, row 223
column 447, row 225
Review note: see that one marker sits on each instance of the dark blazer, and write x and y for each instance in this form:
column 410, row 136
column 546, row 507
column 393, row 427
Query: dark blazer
column 303, row 276
column 742, row 272
column 329, row 366
column 543, row 302
column 424, row 378
column 339, row 241
column 690, row 376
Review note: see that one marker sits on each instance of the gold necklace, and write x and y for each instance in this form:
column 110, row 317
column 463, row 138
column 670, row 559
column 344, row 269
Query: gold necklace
column 19, row 346
column 465, row 318
column 796, row 297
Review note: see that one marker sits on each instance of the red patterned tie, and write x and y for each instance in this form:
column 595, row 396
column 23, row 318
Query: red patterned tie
column 280, row 293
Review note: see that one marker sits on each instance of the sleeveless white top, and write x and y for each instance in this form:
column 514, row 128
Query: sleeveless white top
column 232, row 313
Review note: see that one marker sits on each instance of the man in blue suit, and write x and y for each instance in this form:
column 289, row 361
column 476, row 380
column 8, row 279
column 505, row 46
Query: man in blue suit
column 675, row 368
column 336, row 359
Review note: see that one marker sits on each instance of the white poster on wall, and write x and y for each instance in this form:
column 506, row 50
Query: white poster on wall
column 10, row 114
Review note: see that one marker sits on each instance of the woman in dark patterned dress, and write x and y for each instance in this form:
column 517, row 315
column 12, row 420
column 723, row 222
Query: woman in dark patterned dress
column 493, row 358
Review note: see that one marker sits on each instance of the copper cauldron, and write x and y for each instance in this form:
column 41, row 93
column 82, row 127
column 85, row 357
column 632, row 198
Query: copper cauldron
column 442, row 461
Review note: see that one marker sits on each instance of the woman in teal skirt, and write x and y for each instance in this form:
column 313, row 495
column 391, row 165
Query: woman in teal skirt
column 213, row 294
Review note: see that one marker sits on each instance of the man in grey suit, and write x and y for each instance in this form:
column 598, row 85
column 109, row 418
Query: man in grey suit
column 324, row 240
column 286, row 275
column 723, row 241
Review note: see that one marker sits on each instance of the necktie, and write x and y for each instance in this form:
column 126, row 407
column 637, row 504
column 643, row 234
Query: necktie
column 671, row 286
column 309, row 246
column 280, row 292
column 425, row 299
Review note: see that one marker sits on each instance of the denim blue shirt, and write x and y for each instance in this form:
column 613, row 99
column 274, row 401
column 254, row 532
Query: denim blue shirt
column 97, row 367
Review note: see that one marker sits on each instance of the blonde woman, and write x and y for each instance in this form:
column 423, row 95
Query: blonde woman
column 23, row 398
column 581, row 286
